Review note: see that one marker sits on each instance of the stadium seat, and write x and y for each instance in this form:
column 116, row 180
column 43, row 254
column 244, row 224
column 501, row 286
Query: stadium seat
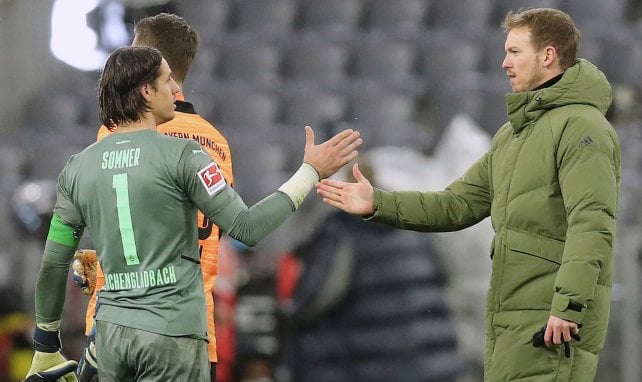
column 378, row 57
column 592, row 13
column 377, row 104
column 408, row 134
column 336, row 19
column 258, row 160
column 593, row 49
column 311, row 58
column 265, row 19
column 201, row 74
column 492, row 51
column 446, row 55
column 246, row 106
column 313, row 107
column 451, row 95
column 621, row 52
column 503, row 6
column 465, row 16
column 243, row 58
column 492, row 113
column 400, row 18
column 208, row 17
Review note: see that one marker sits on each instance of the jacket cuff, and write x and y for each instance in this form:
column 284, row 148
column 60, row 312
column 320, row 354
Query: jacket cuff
column 380, row 214
column 567, row 309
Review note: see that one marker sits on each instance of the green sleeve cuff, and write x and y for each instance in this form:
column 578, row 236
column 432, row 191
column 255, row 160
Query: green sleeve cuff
column 381, row 199
column 564, row 308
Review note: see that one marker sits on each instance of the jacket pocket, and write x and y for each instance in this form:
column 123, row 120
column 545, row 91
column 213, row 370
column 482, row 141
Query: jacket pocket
column 530, row 266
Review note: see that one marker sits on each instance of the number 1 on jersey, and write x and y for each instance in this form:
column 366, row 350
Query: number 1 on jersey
column 119, row 183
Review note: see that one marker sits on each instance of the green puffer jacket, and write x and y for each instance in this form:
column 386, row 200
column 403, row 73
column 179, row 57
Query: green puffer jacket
column 550, row 183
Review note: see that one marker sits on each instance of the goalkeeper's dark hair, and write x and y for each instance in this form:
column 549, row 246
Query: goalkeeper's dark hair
column 176, row 40
column 126, row 70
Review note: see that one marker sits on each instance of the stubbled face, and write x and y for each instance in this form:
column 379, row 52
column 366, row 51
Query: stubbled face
column 523, row 64
column 163, row 97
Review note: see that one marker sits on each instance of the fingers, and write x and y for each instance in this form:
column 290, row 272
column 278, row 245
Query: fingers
column 332, row 197
column 346, row 141
column 333, row 203
column 548, row 337
column 569, row 331
column 559, row 331
column 329, row 192
column 331, row 184
column 349, row 157
column 309, row 137
column 347, row 147
column 566, row 335
column 339, row 137
column 553, row 336
column 358, row 175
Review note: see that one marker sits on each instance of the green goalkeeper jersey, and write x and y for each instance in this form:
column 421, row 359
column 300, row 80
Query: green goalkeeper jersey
column 138, row 194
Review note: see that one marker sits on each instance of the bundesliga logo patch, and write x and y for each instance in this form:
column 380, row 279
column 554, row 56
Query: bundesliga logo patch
column 212, row 178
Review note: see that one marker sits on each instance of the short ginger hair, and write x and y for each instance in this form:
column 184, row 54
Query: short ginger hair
column 548, row 27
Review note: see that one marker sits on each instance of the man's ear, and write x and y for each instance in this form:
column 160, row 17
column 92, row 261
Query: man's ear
column 144, row 91
column 550, row 56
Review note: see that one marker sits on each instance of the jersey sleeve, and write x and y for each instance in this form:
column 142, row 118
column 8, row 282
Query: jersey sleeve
column 65, row 231
column 64, row 207
column 207, row 188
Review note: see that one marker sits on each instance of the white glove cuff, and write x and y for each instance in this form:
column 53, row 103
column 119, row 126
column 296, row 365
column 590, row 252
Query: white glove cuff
column 300, row 184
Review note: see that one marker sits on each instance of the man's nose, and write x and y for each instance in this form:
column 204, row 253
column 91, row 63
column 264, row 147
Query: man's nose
column 505, row 63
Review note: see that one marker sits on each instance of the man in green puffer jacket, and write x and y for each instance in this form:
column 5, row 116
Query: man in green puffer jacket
column 550, row 183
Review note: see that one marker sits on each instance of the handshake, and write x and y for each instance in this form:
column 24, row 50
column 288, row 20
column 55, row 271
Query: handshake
column 49, row 364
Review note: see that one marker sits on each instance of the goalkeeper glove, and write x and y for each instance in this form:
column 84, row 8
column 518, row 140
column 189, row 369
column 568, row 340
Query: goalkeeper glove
column 48, row 363
column 87, row 367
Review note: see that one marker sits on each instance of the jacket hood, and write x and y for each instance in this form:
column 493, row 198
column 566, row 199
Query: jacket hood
column 582, row 84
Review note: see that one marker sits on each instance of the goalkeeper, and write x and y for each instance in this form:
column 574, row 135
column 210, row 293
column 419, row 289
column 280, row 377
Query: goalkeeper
column 178, row 43
column 138, row 192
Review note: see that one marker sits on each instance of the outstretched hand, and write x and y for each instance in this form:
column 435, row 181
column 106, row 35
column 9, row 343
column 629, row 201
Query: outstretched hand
column 355, row 198
column 328, row 157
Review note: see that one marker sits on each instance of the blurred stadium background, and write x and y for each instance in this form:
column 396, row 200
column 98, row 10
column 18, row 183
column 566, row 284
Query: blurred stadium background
column 404, row 72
